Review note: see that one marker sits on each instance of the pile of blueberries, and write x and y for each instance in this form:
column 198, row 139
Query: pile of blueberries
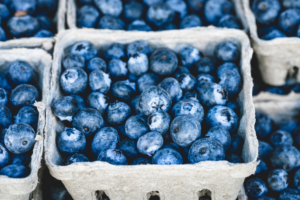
column 152, row 106
column 278, row 173
column 155, row 15
column 277, row 18
column 27, row 18
column 17, row 96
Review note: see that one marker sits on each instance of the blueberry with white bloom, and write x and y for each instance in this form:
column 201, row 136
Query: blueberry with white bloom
column 146, row 81
column 138, row 64
column 74, row 80
column 189, row 107
column 99, row 81
column 98, row 101
column 167, row 156
column 159, row 121
column 187, row 82
column 136, row 126
column 123, row 90
column 113, row 156
column 117, row 69
column 172, row 86
column 117, row 113
column 149, row 143
column 64, row 108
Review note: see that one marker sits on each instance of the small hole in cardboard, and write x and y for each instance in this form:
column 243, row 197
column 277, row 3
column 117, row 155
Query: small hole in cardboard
column 154, row 195
column 100, row 195
column 204, row 194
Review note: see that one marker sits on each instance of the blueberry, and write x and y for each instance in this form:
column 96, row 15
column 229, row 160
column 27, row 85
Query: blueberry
column 4, row 156
column 129, row 148
column 163, row 62
column 297, row 179
column 138, row 64
column 141, row 161
column 29, row 6
column 71, row 141
column 46, row 23
column 23, row 95
column 3, row 97
column 115, row 51
column 133, row 10
column 117, row 69
column 226, row 67
column 23, row 159
column 289, row 21
column 149, row 143
column 64, row 108
column 167, row 156
column 204, row 65
column 135, row 104
column 154, row 99
column 20, row 72
column 4, row 83
column 181, row 70
column 206, row 149
column 2, row 35
column 187, row 82
column 47, row 6
column 266, row 11
column 4, row 12
column 19, row 138
column 275, row 90
column 263, row 124
column 15, row 171
column 285, row 157
column 205, row 78
column 227, row 52
column 113, row 156
column 234, row 106
column 85, row 49
column 172, row 86
column 189, row 107
column 136, row 126
column 152, row 2
column 110, row 22
column 291, row 3
column 124, row 90
column 230, row 21
column 139, row 25
column 289, row 126
column 168, row 26
column 2, row 135
column 221, row 135
column 185, row 130
column 171, row 145
column 87, row 17
column 179, row 6
column 76, row 158
column 98, row 101
column 237, row 143
column 289, row 194
column 191, row 96
column 43, row 34
column 196, row 5
column 160, row 14
column 232, row 81
column 296, row 135
column 105, row 138
column 281, row 137
column 118, row 112
column 190, row 21
column 146, row 81
column 79, row 100
column 27, row 115
column 159, row 122
column 262, row 168
column 132, row 77
column 278, row 180
column 214, row 10
column 96, row 64
column 110, row 7
column 24, row 26
column 73, row 60
column 138, row 47
column 99, row 81
column 264, row 150
column 211, row 94
column 74, row 80
column 222, row 116
column 275, row 34
column 232, row 158
column 88, row 121
column 255, row 187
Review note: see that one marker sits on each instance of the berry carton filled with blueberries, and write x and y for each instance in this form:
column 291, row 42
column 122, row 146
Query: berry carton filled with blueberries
column 155, row 15
column 24, row 84
column 140, row 110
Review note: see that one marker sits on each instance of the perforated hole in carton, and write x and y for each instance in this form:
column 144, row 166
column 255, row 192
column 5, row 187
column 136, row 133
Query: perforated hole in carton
column 154, row 195
column 204, row 194
column 100, row 195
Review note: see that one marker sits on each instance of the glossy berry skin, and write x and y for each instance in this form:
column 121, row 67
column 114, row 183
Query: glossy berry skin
column 73, row 60
column 129, row 148
column 20, row 72
column 88, row 121
column 206, row 149
column 141, row 161
column 226, row 67
column 264, row 150
column 187, row 82
column 281, row 138
column 115, row 51
column 154, row 99
column 138, row 64
column 98, row 101
column 87, row 17
column 105, row 138
column 136, row 126
column 289, row 194
column 163, row 62
column 71, row 141
column 255, row 187
column 146, row 81
column 167, row 156
column 190, row 21
column 4, row 156
column 5, row 117
column 266, row 11
column 27, row 115
column 184, row 130
column 4, row 83
column 205, row 78
column 24, row 26
column 79, row 100
column 139, row 25
column 285, row 157
column 110, row 7
column 124, row 90
column 278, row 180
column 149, row 143
column 232, row 81
column 112, row 23
column 95, row 64
column 159, row 122
column 227, row 52
column 204, row 65
column 222, row 116
column 230, row 21
column 64, row 108
column 19, row 138
column 113, row 156
column 289, row 21
column 74, row 80
column 23, row 159
column 172, row 86
column 23, row 95
column 99, row 81
column 237, row 143
column 214, row 10
column 85, row 49
column 160, row 14
column 118, row 112
column 221, row 135
column 43, row 34
column 138, row 47
column 15, row 171
column 76, row 158
column 117, row 69
column 133, row 11
column 189, row 107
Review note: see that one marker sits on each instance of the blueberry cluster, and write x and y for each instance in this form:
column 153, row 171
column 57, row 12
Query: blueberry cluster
column 152, row 103
column 278, row 173
column 17, row 97
column 277, row 18
column 27, row 18
column 155, row 15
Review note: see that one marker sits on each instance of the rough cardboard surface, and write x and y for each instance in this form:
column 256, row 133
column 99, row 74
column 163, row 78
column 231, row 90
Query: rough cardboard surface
column 20, row 188
column 266, row 96
column 44, row 43
column 174, row 182
column 276, row 58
